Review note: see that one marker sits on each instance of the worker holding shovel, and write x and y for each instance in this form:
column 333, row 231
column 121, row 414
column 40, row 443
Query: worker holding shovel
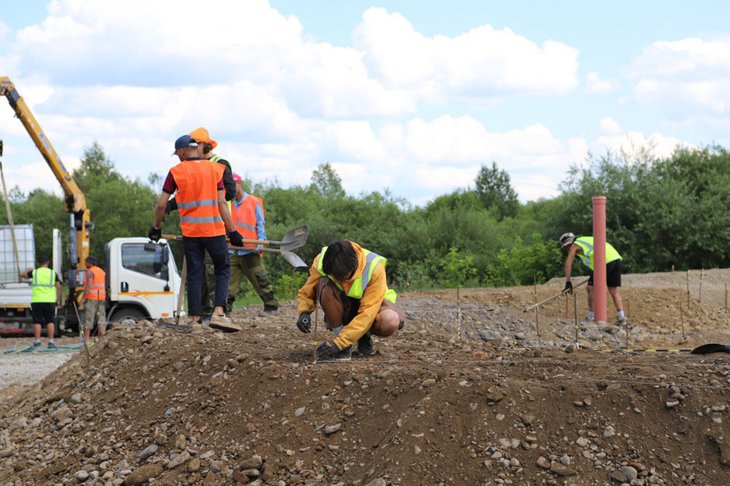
column 350, row 284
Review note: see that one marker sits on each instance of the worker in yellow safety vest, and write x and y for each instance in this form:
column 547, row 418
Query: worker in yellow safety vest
column 45, row 299
column 350, row 284
column 582, row 247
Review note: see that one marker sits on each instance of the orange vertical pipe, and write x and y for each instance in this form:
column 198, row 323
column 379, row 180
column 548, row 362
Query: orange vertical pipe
column 599, row 259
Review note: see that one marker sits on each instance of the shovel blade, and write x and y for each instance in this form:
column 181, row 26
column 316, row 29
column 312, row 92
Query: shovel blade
column 293, row 259
column 295, row 238
column 711, row 348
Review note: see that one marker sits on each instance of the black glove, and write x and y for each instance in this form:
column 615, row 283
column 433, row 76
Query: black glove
column 235, row 238
column 327, row 350
column 304, row 323
column 155, row 234
column 170, row 206
column 568, row 287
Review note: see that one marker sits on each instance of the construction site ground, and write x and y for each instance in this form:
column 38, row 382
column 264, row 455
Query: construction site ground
column 495, row 396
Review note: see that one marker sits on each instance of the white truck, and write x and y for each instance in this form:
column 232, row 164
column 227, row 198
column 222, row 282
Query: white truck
column 142, row 281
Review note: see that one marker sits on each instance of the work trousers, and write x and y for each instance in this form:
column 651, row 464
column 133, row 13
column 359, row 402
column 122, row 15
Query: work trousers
column 251, row 265
column 195, row 250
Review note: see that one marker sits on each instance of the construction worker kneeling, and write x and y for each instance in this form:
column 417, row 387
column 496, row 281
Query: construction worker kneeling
column 350, row 284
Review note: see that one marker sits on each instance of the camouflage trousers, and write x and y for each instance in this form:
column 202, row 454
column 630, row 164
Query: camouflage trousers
column 251, row 265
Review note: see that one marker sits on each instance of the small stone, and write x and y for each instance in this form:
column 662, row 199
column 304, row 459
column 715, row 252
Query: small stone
column 672, row 403
column 143, row 474
column 417, row 450
column 494, row 396
column 331, row 429
column 630, row 473
column 582, row 441
column 253, row 462
column 81, row 475
column 562, row 470
column 146, row 339
column 194, row 465
column 179, row 460
column 565, row 460
column 609, row 432
column 299, row 412
column 180, row 442
column 543, row 462
column 76, row 398
column 149, row 451
column 428, row 382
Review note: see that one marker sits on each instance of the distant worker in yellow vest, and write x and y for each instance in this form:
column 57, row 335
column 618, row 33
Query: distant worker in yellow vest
column 94, row 299
column 350, row 284
column 583, row 248
column 247, row 212
column 45, row 299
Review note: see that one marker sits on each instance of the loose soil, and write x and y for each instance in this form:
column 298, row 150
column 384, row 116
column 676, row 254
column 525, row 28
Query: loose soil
column 473, row 391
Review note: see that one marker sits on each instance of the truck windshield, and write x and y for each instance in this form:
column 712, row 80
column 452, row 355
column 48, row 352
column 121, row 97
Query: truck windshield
column 145, row 258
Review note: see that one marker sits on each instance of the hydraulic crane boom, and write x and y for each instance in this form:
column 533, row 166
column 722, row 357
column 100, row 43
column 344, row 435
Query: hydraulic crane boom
column 81, row 226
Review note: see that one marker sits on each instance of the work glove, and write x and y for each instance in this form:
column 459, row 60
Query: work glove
column 327, row 350
column 568, row 287
column 170, row 206
column 155, row 234
column 304, row 323
column 235, row 238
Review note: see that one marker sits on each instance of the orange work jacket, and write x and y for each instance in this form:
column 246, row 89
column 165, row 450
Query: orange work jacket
column 244, row 215
column 197, row 198
column 95, row 288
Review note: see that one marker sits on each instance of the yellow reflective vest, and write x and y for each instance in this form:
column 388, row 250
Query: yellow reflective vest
column 586, row 244
column 43, row 285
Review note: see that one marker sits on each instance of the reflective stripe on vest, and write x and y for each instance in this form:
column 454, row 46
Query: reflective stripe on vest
column 357, row 289
column 586, row 244
column 97, row 289
column 197, row 198
column 43, row 285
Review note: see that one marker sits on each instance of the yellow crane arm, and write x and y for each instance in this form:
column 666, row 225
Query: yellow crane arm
column 75, row 200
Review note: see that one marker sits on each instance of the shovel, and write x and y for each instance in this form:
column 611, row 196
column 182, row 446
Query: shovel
column 549, row 299
column 292, row 240
column 295, row 238
column 711, row 348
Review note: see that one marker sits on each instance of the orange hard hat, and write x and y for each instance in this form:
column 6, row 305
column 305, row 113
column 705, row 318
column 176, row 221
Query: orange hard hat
column 202, row 136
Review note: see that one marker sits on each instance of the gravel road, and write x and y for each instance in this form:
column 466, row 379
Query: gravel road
column 18, row 369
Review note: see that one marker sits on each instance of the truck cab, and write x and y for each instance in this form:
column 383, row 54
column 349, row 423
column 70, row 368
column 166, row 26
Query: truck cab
column 143, row 279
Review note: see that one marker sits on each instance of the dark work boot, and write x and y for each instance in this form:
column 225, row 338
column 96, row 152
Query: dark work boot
column 365, row 345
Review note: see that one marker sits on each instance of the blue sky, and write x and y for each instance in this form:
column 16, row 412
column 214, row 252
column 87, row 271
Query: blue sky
column 409, row 96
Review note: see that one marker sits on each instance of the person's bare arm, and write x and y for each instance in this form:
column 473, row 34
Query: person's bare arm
column 569, row 261
column 160, row 209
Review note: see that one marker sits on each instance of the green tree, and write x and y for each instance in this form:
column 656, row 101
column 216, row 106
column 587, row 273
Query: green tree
column 495, row 191
column 326, row 181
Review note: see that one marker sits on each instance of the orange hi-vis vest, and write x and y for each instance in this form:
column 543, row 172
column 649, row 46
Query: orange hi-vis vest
column 197, row 198
column 244, row 215
column 95, row 288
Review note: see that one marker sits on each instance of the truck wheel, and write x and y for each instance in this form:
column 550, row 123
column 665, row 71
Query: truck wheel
column 126, row 316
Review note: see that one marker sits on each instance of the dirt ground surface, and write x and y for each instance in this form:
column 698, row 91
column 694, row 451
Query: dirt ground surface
column 474, row 391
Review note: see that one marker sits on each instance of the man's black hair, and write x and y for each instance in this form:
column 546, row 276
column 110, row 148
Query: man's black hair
column 92, row 260
column 340, row 260
column 44, row 260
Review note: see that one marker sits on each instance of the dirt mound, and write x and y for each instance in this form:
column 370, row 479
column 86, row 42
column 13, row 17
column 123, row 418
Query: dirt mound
column 473, row 391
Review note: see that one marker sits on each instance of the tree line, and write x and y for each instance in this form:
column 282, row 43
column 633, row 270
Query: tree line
column 662, row 214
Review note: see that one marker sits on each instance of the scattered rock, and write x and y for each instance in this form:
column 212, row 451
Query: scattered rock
column 143, row 474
